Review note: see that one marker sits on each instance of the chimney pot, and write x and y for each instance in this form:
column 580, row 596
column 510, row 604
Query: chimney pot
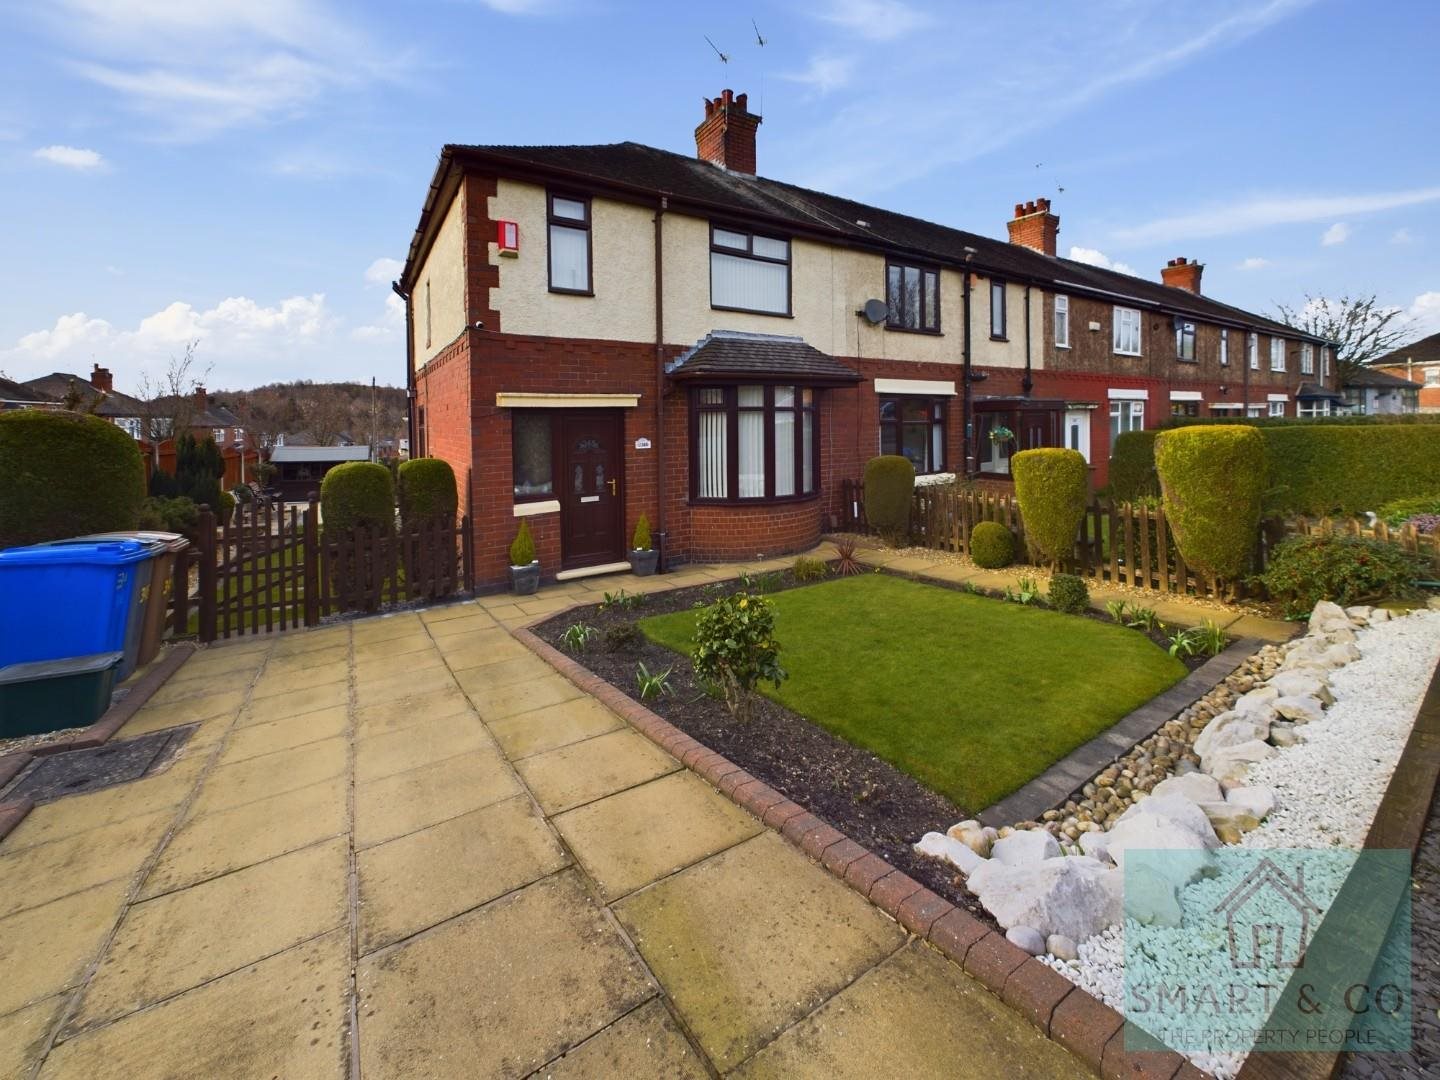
column 726, row 136
column 1183, row 273
column 101, row 379
column 1019, row 209
column 1034, row 226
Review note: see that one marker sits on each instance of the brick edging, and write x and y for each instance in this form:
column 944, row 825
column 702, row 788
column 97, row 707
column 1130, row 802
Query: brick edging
column 1084, row 1025
column 12, row 813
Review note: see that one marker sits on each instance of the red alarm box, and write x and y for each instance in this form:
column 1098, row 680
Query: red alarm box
column 507, row 237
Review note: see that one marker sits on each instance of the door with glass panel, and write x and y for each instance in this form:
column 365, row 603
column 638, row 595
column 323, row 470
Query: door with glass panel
column 592, row 495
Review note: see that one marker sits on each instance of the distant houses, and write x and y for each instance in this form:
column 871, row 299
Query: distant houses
column 1419, row 363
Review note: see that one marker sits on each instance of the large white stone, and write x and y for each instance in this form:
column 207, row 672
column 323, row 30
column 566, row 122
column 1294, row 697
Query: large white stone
column 1061, row 947
column 972, row 834
column 1027, row 938
column 1166, row 823
column 1257, row 798
column 1302, row 710
column 1068, row 896
column 934, row 845
column 1379, row 615
column 1025, row 846
column 1257, row 700
column 1327, row 616
column 1231, row 763
column 1096, row 845
column 1229, row 819
column 1359, row 614
column 1195, row 786
column 1301, row 684
column 1231, row 729
column 1151, row 898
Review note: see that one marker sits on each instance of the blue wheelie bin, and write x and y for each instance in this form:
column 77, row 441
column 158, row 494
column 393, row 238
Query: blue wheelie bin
column 67, row 600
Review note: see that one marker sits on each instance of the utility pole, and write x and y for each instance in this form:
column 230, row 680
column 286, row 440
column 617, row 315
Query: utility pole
column 374, row 439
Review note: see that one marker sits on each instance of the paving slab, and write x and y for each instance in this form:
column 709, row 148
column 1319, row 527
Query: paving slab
column 428, row 740
column 272, row 683
column 476, row 620
column 752, row 940
column 435, row 1005
column 153, row 717
column 1265, row 629
column 36, row 875
column 200, row 685
column 283, row 1017
column 260, row 778
column 308, row 641
column 384, row 667
column 558, row 725
column 585, row 771
column 480, row 649
column 374, row 720
column 477, row 681
column 46, row 949
column 647, row 1042
column 205, row 847
column 257, row 740
column 377, row 691
column 916, row 1014
column 446, row 612
column 416, row 881
column 405, row 802
column 182, row 939
column 498, row 702
column 387, row 628
column 23, row 1035
column 207, row 663
column 414, row 642
column 296, row 703
column 630, row 839
column 286, row 662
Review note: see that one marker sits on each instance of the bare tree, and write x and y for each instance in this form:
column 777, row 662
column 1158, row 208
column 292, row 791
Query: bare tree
column 326, row 411
column 170, row 406
column 1361, row 328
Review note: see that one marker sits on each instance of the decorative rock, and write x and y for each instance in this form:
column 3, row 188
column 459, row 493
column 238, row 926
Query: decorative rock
column 972, row 834
column 1230, row 820
column 1067, row 896
column 1283, row 734
column 1188, row 839
column 1027, row 938
column 934, row 845
column 1232, row 762
column 1150, row 898
column 1299, row 684
column 1379, row 615
column 1195, row 786
column 1061, row 947
column 1302, row 710
column 1257, row 700
column 1340, row 636
column 1096, row 845
column 1025, row 847
column 1327, row 616
column 1231, row 729
column 1256, row 798
column 1359, row 614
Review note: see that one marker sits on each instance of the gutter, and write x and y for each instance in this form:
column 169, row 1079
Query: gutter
column 1027, row 383
column 965, row 378
column 661, row 539
column 409, row 367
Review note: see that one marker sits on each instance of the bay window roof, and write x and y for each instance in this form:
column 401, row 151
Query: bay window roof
column 729, row 355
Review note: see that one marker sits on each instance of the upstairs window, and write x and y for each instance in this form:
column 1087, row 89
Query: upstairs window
column 1224, row 348
column 749, row 272
column 1127, row 331
column 1062, row 322
column 1277, row 354
column 914, row 427
column 218, row 434
column 753, row 442
column 1185, row 341
column 997, row 309
column 570, row 245
column 1324, row 361
column 1307, row 359
column 1252, row 349
column 912, row 295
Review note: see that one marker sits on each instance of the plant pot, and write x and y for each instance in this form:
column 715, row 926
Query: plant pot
column 643, row 561
column 524, row 580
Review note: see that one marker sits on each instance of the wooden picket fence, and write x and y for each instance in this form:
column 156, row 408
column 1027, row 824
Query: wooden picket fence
column 1425, row 546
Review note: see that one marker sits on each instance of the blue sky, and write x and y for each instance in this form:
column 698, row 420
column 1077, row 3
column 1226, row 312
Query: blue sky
column 245, row 172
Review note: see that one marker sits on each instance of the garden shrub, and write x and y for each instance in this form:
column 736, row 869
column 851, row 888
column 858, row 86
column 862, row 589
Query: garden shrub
column 355, row 495
column 889, row 486
column 522, row 548
column 177, row 515
column 199, row 467
column 808, row 569
column 1399, row 511
column 1069, row 594
column 642, row 541
column 426, row 491
column 1304, row 570
column 992, row 545
column 1053, row 486
column 226, row 507
column 1132, row 467
column 1212, row 479
column 66, row 475
column 735, row 648
column 624, row 637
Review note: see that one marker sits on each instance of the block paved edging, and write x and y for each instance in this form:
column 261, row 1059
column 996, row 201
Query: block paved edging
column 1087, row 1027
column 1068, row 775
column 12, row 813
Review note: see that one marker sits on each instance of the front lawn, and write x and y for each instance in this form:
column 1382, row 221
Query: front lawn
column 972, row 696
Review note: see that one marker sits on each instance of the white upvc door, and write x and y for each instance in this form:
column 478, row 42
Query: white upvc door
column 1077, row 431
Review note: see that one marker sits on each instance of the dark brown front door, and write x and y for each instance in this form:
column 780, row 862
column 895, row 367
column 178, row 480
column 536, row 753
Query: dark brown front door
column 592, row 499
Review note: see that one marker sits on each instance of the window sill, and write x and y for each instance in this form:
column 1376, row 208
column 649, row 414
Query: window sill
column 530, row 509
column 1186, row 360
column 740, row 504
column 1136, row 355
column 571, row 292
column 753, row 311
column 1058, row 345
column 913, row 330
column 998, row 337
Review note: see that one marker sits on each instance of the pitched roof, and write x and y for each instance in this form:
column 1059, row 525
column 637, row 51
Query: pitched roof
column 1313, row 391
column 10, row 390
column 283, row 454
column 733, row 354
column 636, row 169
column 57, row 384
column 1380, row 380
column 1424, row 351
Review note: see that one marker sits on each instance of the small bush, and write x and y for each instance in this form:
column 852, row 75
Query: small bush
column 177, row 515
column 992, row 545
column 889, row 486
column 1132, row 467
column 1399, row 511
column 1213, row 479
column 66, row 475
column 642, row 541
column 426, row 490
column 357, row 495
column 226, row 507
column 626, row 638
column 1053, row 486
column 808, row 569
column 1346, row 569
column 735, row 648
column 1069, row 594
column 522, row 548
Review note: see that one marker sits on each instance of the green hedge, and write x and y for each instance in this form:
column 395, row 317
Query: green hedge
column 1132, row 467
column 1358, row 420
column 1212, row 480
column 64, row 474
column 357, row 494
column 889, row 485
column 426, row 489
column 992, row 545
column 1053, row 486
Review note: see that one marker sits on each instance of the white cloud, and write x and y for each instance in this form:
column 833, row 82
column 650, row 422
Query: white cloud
column 825, row 73
column 1092, row 257
column 518, row 7
column 1335, row 234
column 390, row 324
column 383, row 271
column 71, row 157
column 1254, row 263
column 1425, row 313
column 874, row 20
column 1402, row 236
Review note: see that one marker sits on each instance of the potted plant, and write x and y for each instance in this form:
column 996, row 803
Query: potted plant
column 524, row 567
column 643, row 555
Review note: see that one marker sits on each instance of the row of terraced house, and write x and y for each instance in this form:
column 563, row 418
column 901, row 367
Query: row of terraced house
column 597, row 332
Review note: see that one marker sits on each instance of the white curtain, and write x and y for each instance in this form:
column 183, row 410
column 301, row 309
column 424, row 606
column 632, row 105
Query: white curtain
column 747, row 283
column 784, row 452
column 713, row 455
column 752, row 442
column 569, row 258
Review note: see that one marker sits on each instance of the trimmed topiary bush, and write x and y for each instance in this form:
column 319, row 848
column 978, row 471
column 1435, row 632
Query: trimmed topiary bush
column 889, row 485
column 641, row 541
column 356, row 495
column 66, row 475
column 426, row 490
column 1132, row 467
column 522, row 548
column 1212, row 480
column 992, row 545
column 1069, row 594
column 1053, row 486
column 1345, row 569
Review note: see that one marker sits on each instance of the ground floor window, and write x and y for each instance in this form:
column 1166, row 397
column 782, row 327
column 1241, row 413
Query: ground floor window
column 1354, row 399
column 753, row 442
column 1312, row 408
column 1255, row 410
column 914, row 427
column 1277, row 408
column 532, row 454
column 1125, row 416
column 1184, row 408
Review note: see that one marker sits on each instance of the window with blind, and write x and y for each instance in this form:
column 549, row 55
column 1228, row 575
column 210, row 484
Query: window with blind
column 753, row 442
column 570, row 260
column 914, row 428
column 912, row 295
column 749, row 272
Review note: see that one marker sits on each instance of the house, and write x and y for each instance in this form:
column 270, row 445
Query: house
column 1418, row 362
column 597, row 332
column 14, row 395
column 96, row 395
column 299, row 469
column 1370, row 391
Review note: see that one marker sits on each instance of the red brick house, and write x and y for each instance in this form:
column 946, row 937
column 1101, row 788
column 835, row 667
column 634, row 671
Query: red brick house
column 1418, row 362
column 596, row 332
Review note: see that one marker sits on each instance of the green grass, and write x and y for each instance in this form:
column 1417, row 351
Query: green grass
column 971, row 696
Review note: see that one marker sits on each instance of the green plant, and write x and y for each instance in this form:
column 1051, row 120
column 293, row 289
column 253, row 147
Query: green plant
column 626, row 637
column 641, row 540
column 1398, row 511
column 199, row 467
column 973, row 589
column 1143, row 618
column 1069, row 594
column 177, row 515
column 808, row 569
column 845, row 561
column 767, row 582
column 652, row 686
column 1183, row 644
column 1052, row 485
column 243, row 493
column 992, row 545
column 577, row 636
column 1211, row 640
column 522, row 548
column 889, row 486
column 735, row 648
column 1027, row 591
column 357, row 495
column 1304, row 570
column 66, row 475
column 1212, row 480
column 226, row 506
column 620, row 600
column 1132, row 467
column 426, row 490
column 1117, row 609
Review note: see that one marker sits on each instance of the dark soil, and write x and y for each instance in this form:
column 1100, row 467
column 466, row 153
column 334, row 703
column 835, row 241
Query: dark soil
column 864, row 797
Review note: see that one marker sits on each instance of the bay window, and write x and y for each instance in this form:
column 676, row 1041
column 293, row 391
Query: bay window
column 914, row 428
column 1127, row 331
column 1062, row 322
column 912, row 296
column 749, row 272
column 569, row 231
column 753, row 442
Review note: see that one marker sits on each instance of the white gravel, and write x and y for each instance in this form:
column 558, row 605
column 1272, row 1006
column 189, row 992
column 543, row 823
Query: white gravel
column 1327, row 788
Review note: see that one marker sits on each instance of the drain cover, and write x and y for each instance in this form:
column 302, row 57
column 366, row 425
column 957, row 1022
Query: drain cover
column 77, row 771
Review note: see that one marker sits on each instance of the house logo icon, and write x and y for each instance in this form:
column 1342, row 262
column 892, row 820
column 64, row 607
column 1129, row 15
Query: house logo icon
column 1261, row 932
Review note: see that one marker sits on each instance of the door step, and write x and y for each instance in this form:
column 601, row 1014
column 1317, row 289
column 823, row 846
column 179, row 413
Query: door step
column 593, row 571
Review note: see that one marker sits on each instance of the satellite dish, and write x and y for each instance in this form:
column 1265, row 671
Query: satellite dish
column 875, row 311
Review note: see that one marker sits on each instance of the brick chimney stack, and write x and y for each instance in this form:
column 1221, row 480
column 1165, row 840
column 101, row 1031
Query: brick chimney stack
column 101, row 380
column 202, row 399
column 726, row 136
column 1181, row 273
column 1034, row 226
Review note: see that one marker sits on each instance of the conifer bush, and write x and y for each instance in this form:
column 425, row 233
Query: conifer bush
column 889, row 485
column 1052, row 485
column 1212, row 480
column 992, row 545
